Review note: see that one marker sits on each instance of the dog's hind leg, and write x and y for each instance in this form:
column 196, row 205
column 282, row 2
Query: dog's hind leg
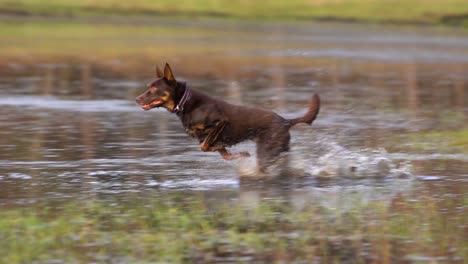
column 269, row 147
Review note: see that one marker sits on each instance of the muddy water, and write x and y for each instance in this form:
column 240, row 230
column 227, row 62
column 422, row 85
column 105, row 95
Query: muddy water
column 394, row 107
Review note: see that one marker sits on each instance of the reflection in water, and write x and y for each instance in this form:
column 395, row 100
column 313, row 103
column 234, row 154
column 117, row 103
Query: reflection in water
column 413, row 97
column 460, row 86
column 71, row 130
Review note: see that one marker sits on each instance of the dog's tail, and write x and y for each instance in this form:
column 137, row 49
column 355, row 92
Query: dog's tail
column 309, row 117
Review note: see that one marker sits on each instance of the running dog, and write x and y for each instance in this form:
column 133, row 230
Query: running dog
column 218, row 124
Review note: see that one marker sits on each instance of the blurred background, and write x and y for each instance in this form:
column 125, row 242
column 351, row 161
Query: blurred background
column 86, row 176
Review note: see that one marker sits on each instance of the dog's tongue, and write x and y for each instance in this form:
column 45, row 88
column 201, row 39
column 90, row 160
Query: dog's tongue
column 151, row 105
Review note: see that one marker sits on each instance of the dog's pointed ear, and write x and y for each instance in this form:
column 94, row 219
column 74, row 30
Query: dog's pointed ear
column 159, row 73
column 168, row 73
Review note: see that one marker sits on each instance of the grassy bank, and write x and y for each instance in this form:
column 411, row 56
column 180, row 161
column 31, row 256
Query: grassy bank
column 191, row 231
column 449, row 12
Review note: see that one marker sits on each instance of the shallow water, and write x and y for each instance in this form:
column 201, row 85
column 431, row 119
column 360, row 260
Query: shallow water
column 394, row 107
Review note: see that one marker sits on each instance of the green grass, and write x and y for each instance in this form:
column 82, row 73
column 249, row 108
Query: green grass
column 376, row 11
column 39, row 39
column 450, row 141
column 177, row 231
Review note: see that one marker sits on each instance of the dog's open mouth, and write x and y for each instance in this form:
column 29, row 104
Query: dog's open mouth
column 153, row 104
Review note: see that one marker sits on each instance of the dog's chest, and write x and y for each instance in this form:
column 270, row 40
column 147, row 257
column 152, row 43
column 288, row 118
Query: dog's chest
column 194, row 127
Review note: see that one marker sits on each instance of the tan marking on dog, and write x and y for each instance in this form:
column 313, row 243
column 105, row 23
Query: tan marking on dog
column 199, row 126
column 168, row 102
column 195, row 128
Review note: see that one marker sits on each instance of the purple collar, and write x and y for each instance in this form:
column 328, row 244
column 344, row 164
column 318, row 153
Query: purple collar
column 180, row 106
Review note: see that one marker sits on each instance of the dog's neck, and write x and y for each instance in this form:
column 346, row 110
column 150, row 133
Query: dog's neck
column 182, row 95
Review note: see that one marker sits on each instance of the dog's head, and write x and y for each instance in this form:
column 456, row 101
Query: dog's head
column 160, row 92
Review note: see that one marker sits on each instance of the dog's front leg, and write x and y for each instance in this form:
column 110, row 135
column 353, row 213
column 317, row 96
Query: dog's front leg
column 229, row 156
column 212, row 136
column 226, row 154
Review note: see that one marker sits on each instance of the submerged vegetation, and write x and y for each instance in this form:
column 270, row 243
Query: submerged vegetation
column 449, row 12
column 178, row 230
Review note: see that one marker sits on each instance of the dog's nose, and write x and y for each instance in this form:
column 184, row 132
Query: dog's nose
column 138, row 100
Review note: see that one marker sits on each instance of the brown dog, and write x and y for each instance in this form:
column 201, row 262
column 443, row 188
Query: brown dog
column 218, row 124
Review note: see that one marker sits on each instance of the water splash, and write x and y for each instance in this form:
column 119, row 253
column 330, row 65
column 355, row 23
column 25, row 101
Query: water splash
column 323, row 157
